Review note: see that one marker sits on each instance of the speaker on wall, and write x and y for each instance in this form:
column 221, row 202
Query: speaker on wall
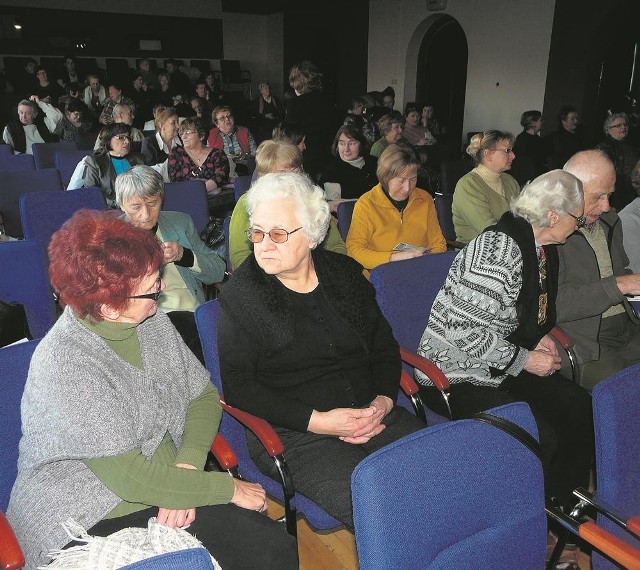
column 435, row 5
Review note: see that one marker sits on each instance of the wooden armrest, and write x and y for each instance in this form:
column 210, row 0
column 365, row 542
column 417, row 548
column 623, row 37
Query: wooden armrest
column 427, row 367
column 224, row 454
column 407, row 384
column 260, row 428
column 11, row 557
column 562, row 337
column 624, row 554
column 633, row 524
column 630, row 524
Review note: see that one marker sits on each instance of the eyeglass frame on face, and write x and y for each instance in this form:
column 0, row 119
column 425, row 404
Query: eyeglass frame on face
column 618, row 126
column 581, row 221
column 188, row 133
column 224, row 117
column 253, row 232
column 122, row 137
column 153, row 296
column 507, row 151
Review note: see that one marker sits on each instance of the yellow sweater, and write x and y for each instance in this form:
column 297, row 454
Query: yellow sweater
column 377, row 227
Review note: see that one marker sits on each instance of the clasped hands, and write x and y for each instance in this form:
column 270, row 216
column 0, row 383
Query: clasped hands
column 352, row 425
column 544, row 359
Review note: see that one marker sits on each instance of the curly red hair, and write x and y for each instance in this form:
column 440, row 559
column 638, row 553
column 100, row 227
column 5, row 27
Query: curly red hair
column 97, row 257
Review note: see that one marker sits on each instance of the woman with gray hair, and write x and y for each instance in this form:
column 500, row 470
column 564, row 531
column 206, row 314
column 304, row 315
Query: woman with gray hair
column 489, row 324
column 623, row 155
column 484, row 194
column 188, row 262
column 304, row 345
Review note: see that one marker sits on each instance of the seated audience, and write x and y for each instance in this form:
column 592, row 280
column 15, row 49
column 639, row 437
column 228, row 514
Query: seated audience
column 149, row 78
column 74, row 122
column 95, row 95
column 118, row 415
column 141, row 97
column 30, row 126
column 394, row 220
column 528, row 143
column 489, row 324
column 352, row 170
column 289, row 133
column 123, row 113
column 47, row 91
column 156, row 147
column 360, row 116
column 595, row 279
column 328, row 376
column 414, row 133
column 68, row 74
column 272, row 156
column 623, row 155
column 630, row 218
column 165, row 93
column 568, row 139
column 269, row 111
column 112, row 157
column 312, row 110
column 200, row 110
column 179, row 81
column 236, row 141
column 483, row 195
column 188, row 263
column 196, row 161
column 115, row 98
column 389, row 98
column 26, row 82
column 391, row 126
column 434, row 129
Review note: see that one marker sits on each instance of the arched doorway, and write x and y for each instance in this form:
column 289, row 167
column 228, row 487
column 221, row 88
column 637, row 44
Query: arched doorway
column 436, row 73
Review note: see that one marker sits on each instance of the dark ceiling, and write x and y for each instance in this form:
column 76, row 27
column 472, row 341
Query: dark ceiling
column 253, row 6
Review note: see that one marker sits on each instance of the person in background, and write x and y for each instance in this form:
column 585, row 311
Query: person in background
column 30, row 126
column 47, row 91
column 484, row 194
column 528, row 143
column 123, row 113
column 391, row 126
column 149, row 78
column 488, row 329
column 179, row 81
column 289, row 133
column 630, row 218
column 95, row 95
column 68, row 73
column 394, row 220
column 196, row 161
column 327, row 373
column 389, row 98
column 156, row 147
column 113, row 157
column 75, row 121
column 352, row 171
column 272, row 157
column 414, row 133
column 359, row 115
column 165, row 93
column 119, row 415
column 236, row 141
column 141, row 97
column 188, row 264
column 269, row 109
column 431, row 124
column 567, row 140
column 623, row 155
column 115, row 98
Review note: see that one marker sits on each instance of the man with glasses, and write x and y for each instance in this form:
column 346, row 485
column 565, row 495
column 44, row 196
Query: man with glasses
column 236, row 141
column 594, row 279
column 623, row 155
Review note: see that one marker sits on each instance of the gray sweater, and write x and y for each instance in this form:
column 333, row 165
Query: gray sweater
column 82, row 401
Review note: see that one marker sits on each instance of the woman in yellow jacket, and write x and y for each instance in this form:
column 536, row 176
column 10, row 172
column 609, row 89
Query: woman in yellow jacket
column 394, row 220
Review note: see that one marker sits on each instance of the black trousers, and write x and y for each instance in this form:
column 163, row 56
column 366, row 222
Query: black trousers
column 185, row 323
column 237, row 538
column 563, row 414
column 321, row 465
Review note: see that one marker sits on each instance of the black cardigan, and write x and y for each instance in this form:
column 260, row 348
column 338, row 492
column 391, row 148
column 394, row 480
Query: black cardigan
column 260, row 354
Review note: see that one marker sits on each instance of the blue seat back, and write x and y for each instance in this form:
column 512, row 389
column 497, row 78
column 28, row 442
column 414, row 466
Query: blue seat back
column 43, row 213
column 455, row 495
column 14, row 185
column 345, row 213
column 190, row 558
column 241, row 185
column 189, row 197
column 207, row 323
column 451, row 171
column 444, row 203
column 14, row 365
column 616, row 407
column 66, row 162
column 5, row 150
column 24, row 279
column 44, row 154
column 16, row 162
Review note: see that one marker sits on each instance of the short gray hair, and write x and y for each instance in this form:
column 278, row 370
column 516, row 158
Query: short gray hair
column 311, row 208
column 611, row 119
column 556, row 191
column 117, row 110
column 138, row 182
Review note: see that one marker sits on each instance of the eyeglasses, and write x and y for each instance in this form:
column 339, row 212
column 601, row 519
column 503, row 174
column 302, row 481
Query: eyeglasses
column 505, row 150
column 276, row 235
column 152, row 296
column 122, row 138
column 581, row 221
column 619, row 126
column 224, row 117
column 187, row 133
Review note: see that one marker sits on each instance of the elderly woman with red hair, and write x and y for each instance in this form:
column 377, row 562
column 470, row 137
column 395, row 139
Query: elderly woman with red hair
column 118, row 415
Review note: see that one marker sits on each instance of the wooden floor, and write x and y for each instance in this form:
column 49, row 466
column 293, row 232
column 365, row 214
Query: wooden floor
column 337, row 550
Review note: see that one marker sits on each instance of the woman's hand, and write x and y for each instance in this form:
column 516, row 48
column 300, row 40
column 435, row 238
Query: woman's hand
column 172, row 251
column 542, row 362
column 211, row 186
column 546, row 344
column 249, row 496
column 400, row 255
column 177, row 518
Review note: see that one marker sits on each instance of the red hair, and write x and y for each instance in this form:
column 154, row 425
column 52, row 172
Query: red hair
column 97, row 257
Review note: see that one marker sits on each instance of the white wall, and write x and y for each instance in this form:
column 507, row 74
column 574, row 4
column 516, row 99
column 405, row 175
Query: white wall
column 508, row 44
